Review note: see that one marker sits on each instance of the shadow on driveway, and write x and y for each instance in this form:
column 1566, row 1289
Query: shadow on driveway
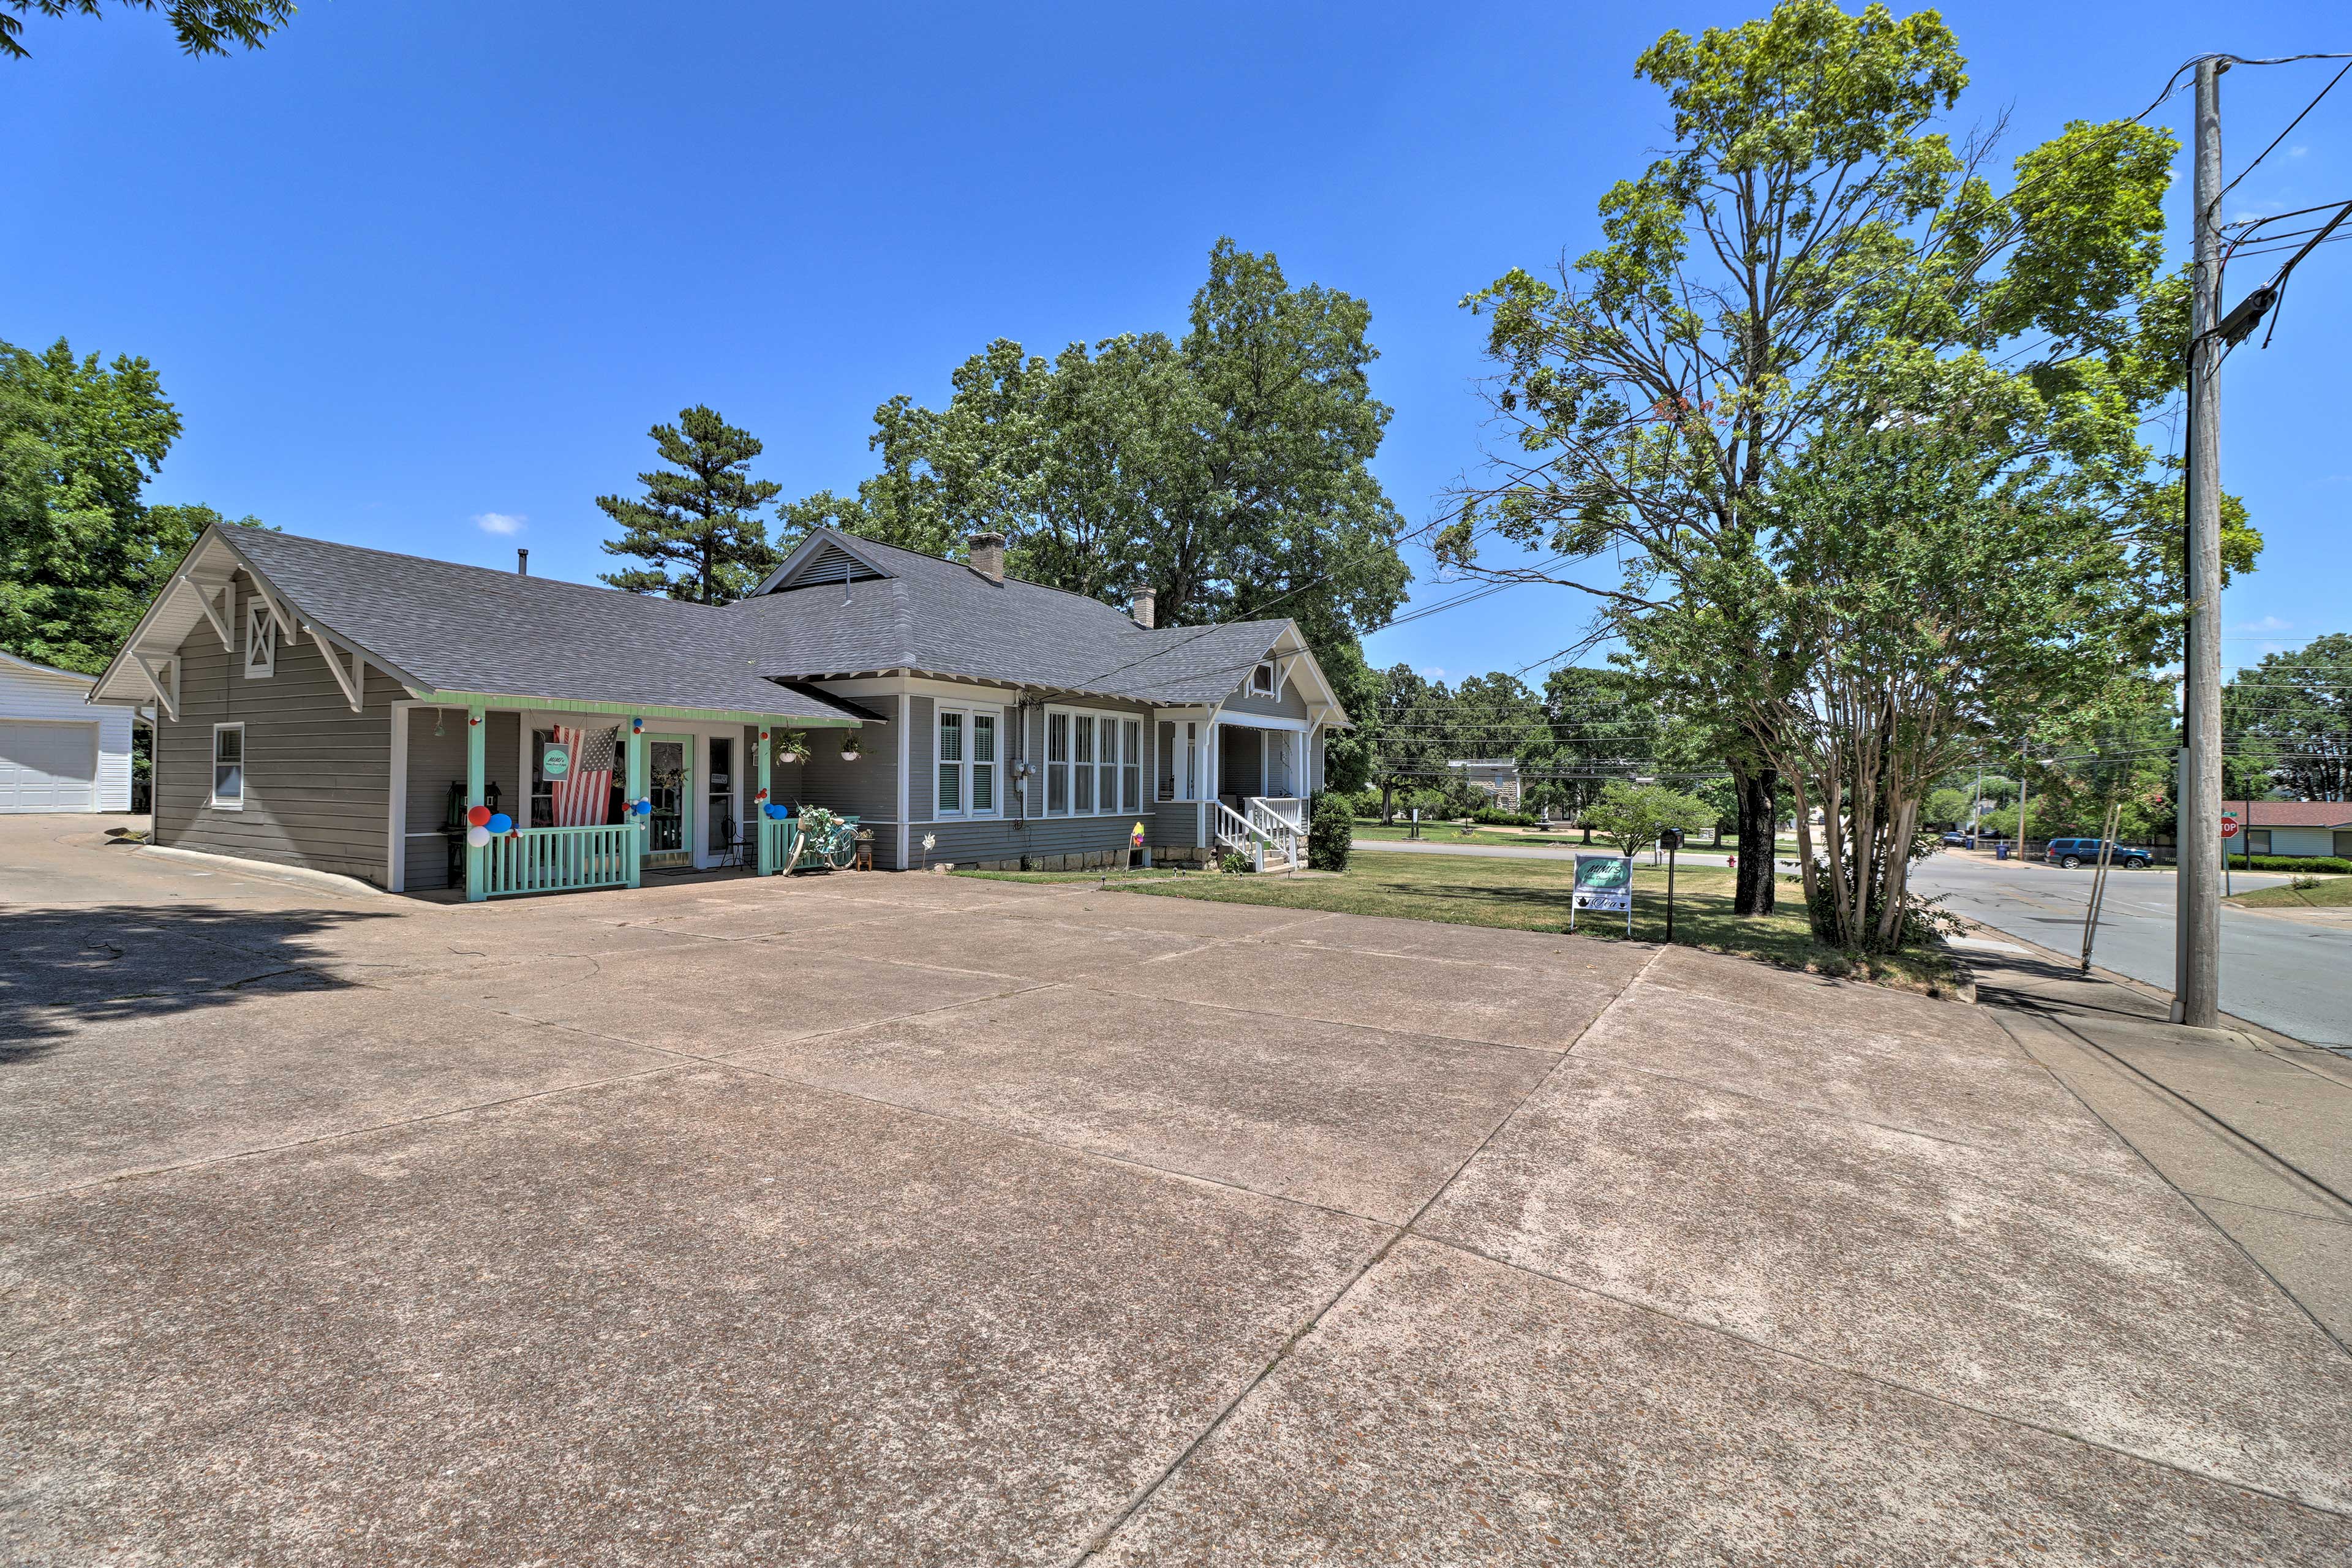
column 64, row 968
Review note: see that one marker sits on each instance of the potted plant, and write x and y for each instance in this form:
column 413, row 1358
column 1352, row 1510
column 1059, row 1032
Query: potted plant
column 851, row 747
column 791, row 746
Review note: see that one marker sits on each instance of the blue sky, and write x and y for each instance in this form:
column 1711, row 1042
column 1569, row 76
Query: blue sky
column 420, row 273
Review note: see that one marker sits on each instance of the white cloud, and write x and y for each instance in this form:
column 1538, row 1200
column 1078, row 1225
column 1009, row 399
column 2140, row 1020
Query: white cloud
column 1433, row 672
column 500, row 521
column 2296, row 151
column 2267, row 624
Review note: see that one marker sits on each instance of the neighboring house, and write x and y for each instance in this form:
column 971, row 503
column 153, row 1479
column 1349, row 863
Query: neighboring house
column 327, row 705
column 1497, row 776
column 56, row 752
column 2291, row 827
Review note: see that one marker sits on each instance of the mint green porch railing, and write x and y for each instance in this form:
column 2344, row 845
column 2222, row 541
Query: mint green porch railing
column 777, row 834
column 560, row 859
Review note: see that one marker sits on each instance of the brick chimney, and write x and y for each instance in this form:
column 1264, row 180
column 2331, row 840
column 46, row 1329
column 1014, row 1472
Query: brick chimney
column 1140, row 611
column 988, row 555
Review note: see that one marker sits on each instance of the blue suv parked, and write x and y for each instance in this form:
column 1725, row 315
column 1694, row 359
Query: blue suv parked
column 2073, row 852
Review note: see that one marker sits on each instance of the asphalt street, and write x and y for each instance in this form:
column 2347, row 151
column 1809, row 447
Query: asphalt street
column 2283, row 971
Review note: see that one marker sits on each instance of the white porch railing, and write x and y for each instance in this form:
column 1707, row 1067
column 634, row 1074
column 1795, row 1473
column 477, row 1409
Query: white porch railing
column 1268, row 839
column 1291, row 808
column 560, row 859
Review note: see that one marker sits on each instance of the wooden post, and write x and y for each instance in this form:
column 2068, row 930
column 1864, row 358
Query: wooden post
column 638, row 825
column 759, row 818
column 478, row 880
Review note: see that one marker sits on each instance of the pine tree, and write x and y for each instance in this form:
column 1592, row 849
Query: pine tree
column 701, row 513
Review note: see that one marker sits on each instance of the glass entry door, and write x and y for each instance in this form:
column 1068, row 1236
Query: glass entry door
column 669, row 784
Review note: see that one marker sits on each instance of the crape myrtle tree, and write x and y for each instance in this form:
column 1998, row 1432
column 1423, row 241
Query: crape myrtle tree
column 1815, row 289
column 1228, row 472
column 696, row 527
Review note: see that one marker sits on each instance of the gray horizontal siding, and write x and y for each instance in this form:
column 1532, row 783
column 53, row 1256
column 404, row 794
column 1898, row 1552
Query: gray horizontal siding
column 1291, row 704
column 866, row 789
column 317, row 776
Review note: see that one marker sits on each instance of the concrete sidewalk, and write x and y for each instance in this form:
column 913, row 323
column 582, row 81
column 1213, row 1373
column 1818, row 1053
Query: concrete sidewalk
column 2254, row 1129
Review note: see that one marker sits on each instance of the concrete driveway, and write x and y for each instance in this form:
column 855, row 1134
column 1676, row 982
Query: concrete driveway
column 885, row 1219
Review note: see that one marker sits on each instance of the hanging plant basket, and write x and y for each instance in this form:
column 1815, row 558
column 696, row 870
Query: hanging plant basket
column 850, row 753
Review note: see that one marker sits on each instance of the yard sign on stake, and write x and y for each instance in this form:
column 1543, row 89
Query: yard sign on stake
column 1604, row 883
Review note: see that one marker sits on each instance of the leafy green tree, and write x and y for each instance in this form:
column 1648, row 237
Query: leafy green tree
column 1812, row 291
column 2287, row 724
column 1596, row 724
column 1630, row 816
column 701, row 513
column 1947, row 807
column 202, row 26
column 1403, row 735
column 81, row 552
column 1228, row 472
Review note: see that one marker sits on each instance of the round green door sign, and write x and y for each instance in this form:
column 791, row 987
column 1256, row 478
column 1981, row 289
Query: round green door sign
column 555, row 762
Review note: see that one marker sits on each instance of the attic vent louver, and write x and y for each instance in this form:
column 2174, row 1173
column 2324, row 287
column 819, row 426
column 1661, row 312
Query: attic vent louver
column 831, row 565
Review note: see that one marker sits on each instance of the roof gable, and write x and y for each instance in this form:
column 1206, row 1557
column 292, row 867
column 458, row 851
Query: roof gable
column 825, row 556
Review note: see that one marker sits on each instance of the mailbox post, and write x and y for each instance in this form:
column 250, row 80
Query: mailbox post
column 1671, row 839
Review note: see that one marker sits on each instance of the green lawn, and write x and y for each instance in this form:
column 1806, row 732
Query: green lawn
column 2332, row 892
column 1533, row 895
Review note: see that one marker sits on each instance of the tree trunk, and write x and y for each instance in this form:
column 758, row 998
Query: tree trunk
column 1388, row 813
column 1753, row 886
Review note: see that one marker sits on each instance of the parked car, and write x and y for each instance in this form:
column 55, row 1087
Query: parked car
column 2073, row 852
column 1956, row 840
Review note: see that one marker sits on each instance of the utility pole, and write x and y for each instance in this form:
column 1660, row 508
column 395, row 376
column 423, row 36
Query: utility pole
column 2197, row 978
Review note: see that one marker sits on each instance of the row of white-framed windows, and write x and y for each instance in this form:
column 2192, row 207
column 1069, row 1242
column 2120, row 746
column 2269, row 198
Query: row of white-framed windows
column 229, row 766
column 260, row 641
column 965, row 760
column 1094, row 763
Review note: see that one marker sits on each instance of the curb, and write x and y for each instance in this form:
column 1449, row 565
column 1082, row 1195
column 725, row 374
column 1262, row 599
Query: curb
column 267, row 871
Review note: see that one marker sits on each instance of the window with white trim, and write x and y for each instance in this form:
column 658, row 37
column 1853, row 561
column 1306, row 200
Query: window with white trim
column 1057, row 765
column 1094, row 763
column 260, row 641
column 1261, row 678
column 965, row 762
column 1082, row 759
column 229, row 766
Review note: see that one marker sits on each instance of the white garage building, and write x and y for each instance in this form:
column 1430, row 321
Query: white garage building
column 57, row 751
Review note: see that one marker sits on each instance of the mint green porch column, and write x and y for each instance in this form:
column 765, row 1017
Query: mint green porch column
column 477, row 878
column 759, row 820
column 638, row 825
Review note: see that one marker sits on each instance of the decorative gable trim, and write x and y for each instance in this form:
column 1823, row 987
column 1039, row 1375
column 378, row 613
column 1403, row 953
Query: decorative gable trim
column 825, row 556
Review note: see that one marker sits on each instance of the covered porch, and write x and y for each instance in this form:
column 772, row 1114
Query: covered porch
column 504, row 797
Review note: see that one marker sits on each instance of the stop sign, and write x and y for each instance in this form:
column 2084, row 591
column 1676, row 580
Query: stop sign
column 2229, row 827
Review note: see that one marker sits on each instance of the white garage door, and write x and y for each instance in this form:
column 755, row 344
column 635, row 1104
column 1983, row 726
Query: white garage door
column 47, row 767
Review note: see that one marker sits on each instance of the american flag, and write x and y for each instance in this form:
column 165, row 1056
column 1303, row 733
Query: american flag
column 583, row 796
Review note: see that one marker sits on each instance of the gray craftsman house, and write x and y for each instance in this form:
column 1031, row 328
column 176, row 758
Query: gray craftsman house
column 346, row 710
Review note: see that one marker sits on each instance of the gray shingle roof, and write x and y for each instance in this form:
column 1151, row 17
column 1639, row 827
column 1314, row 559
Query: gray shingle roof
column 470, row 628
column 942, row 617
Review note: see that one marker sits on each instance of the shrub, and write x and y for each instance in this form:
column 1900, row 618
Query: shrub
column 1494, row 817
column 1330, row 830
column 1233, row 863
column 2293, row 863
